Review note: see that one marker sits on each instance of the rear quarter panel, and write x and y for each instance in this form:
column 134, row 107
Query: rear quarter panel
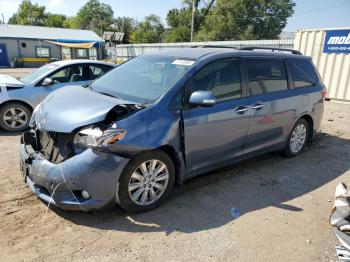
column 310, row 102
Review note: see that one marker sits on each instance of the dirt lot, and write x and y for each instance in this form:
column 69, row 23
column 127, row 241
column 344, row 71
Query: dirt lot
column 284, row 207
column 16, row 72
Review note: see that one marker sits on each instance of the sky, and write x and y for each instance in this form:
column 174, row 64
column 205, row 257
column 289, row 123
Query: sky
column 308, row 13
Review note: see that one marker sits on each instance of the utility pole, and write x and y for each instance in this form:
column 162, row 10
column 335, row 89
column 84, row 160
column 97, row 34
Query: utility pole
column 192, row 22
column 30, row 13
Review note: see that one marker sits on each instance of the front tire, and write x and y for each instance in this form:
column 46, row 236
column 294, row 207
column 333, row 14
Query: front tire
column 15, row 117
column 146, row 182
column 297, row 138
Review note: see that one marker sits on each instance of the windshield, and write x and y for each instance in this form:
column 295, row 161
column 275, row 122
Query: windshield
column 142, row 79
column 28, row 79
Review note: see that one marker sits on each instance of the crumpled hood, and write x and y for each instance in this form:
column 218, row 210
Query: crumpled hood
column 10, row 81
column 72, row 107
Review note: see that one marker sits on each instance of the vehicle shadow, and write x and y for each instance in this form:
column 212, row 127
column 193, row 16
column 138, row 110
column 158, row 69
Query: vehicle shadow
column 205, row 202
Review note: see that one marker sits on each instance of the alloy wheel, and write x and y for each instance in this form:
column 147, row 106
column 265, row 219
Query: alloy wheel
column 148, row 182
column 15, row 118
column 298, row 138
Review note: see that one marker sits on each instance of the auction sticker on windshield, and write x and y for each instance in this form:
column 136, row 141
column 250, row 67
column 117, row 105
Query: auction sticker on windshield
column 183, row 62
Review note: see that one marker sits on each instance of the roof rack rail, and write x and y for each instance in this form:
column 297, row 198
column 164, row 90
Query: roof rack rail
column 213, row 46
column 272, row 49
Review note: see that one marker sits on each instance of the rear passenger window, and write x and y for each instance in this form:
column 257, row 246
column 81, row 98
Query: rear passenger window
column 222, row 78
column 303, row 73
column 266, row 76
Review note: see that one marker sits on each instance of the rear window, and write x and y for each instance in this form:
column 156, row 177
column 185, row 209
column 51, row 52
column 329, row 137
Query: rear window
column 266, row 76
column 303, row 73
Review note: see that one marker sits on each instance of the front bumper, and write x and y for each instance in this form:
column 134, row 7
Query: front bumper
column 61, row 184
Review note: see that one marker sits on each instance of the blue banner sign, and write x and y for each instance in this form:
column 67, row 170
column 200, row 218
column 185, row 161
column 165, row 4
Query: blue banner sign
column 337, row 41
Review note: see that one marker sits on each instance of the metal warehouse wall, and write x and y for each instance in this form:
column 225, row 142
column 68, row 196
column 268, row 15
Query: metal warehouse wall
column 15, row 50
column 333, row 68
column 125, row 52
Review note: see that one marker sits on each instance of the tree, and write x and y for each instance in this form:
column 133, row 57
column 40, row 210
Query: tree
column 179, row 20
column 29, row 14
column 95, row 16
column 150, row 30
column 124, row 25
column 71, row 22
column 55, row 20
column 242, row 20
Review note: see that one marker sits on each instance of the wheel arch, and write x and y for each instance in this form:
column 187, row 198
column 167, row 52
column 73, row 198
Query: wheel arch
column 178, row 161
column 17, row 101
column 310, row 122
column 308, row 118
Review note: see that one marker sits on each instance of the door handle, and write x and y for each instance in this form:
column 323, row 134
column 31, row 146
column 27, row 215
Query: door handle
column 241, row 109
column 257, row 106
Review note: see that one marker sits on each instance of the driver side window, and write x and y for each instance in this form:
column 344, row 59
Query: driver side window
column 222, row 78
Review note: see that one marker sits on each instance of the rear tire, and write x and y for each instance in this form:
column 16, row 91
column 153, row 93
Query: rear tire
column 15, row 117
column 146, row 182
column 297, row 139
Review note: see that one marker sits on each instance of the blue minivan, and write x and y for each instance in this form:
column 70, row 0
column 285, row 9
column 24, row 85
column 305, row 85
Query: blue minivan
column 164, row 117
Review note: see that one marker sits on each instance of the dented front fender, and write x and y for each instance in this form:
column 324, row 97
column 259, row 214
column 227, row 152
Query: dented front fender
column 149, row 129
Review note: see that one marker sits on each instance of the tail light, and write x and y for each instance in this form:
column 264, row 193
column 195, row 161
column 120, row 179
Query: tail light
column 324, row 92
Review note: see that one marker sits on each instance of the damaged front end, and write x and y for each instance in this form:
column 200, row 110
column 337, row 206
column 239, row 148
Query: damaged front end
column 70, row 166
column 54, row 147
column 81, row 141
column 101, row 135
column 57, row 147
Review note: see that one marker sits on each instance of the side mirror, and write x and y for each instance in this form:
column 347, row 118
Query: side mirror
column 202, row 98
column 47, row 82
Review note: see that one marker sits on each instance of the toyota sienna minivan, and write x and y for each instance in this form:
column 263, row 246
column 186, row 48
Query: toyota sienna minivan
column 164, row 117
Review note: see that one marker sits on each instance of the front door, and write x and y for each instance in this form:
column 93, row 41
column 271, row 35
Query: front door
column 3, row 56
column 214, row 135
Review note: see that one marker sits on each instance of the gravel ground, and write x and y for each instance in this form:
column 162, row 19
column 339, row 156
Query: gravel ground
column 284, row 207
column 16, row 72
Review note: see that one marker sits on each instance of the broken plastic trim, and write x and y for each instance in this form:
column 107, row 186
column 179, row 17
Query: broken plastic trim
column 105, row 133
column 119, row 112
column 58, row 147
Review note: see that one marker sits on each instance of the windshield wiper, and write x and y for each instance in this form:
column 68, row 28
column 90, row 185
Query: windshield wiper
column 107, row 94
column 144, row 105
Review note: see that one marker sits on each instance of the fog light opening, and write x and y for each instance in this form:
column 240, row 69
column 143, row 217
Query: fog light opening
column 85, row 194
